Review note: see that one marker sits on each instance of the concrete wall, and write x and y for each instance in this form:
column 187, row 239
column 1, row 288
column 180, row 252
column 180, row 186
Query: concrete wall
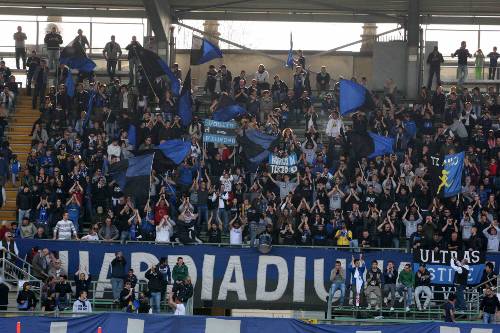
column 389, row 61
column 346, row 64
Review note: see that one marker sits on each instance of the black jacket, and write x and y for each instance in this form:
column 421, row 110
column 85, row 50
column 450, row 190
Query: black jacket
column 4, row 294
column 118, row 268
column 155, row 281
column 490, row 304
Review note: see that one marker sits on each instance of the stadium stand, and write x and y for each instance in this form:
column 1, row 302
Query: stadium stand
column 246, row 162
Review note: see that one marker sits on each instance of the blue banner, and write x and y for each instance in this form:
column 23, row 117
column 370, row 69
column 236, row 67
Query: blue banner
column 282, row 165
column 122, row 322
column 222, row 132
column 287, row 277
column 451, row 178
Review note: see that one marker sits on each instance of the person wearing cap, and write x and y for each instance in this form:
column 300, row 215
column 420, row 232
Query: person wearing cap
column 422, row 285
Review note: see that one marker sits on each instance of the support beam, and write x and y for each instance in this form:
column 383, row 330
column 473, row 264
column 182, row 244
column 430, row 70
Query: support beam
column 76, row 12
column 158, row 13
column 413, row 31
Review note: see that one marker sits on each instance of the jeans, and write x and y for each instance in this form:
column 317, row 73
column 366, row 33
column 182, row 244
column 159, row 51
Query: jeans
column 133, row 66
column 428, row 295
column 124, row 236
column 489, row 318
column 224, row 217
column 22, row 214
column 460, row 297
column 334, row 287
column 390, row 289
column 374, row 290
column 202, row 216
column 53, row 55
column 491, row 73
column 433, row 71
column 462, row 73
column 39, row 91
column 20, row 54
column 155, row 301
column 116, row 287
column 409, row 293
column 111, row 67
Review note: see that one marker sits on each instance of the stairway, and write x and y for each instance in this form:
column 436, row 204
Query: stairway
column 18, row 135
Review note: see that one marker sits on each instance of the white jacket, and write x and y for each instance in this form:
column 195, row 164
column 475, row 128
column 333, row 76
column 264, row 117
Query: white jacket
column 333, row 127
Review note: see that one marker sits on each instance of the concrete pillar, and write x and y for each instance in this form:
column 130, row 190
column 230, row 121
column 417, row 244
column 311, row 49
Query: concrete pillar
column 369, row 35
column 211, row 28
column 413, row 42
column 160, row 20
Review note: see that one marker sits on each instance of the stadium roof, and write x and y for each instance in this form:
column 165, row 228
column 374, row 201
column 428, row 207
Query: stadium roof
column 432, row 11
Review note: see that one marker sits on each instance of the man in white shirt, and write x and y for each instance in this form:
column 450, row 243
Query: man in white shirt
column 65, row 229
column 177, row 306
column 236, row 233
column 335, row 126
column 82, row 304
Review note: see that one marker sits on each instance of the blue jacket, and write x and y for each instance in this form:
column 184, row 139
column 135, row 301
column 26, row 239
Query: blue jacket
column 351, row 270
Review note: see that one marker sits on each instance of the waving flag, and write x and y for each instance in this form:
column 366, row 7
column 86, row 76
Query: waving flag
column 354, row 96
column 176, row 150
column 256, row 145
column 203, row 51
column 289, row 60
column 154, row 66
column 450, row 179
column 70, row 85
column 228, row 109
column 74, row 56
column 371, row 145
column 185, row 104
column 133, row 175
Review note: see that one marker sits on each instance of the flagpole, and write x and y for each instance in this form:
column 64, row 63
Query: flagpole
column 150, row 172
column 145, row 74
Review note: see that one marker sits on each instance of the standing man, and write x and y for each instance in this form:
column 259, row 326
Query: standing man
column 117, row 275
column 180, row 271
column 357, row 270
column 461, row 269
column 4, row 295
column 20, row 40
column 374, row 285
column 493, row 63
column 81, row 40
column 422, row 285
column 337, row 277
column 65, row 229
column 323, row 81
column 390, row 279
column 462, row 53
column 112, row 52
column 52, row 41
column 489, row 306
column 133, row 61
column 434, row 60
column 406, row 282
column 33, row 63
column 155, row 285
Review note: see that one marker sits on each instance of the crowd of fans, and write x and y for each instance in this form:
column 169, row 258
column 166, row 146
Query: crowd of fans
column 335, row 199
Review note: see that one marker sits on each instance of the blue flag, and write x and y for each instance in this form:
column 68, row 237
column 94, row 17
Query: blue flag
column 154, row 66
column 132, row 135
column 203, row 51
column 227, row 109
column 176, row 150
column 185, row 104
column 74, row 56
column 256, row 145
column 382, row 145
column 353, row 96
column 133, row 175
column 451, row 175
column 70, row 85
column 289, row 60
column 92, row 94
